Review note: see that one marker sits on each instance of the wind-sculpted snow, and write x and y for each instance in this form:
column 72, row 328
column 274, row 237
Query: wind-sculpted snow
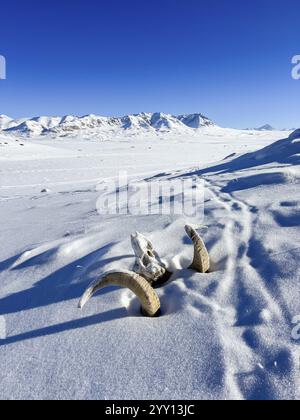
column 283, row 152
column 227, row 334
column 295, row 135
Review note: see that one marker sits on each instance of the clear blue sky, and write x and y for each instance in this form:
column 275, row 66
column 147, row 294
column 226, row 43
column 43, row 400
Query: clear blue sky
column 229, row 59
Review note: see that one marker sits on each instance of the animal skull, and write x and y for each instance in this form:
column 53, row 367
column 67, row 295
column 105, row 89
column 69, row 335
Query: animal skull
column 147, row 263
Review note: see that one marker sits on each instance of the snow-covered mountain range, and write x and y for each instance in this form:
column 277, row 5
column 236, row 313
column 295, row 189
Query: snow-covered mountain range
column 268, row 127
column 93, row 124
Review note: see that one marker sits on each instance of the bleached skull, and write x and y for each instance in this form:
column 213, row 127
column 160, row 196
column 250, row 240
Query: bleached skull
column 148, row 263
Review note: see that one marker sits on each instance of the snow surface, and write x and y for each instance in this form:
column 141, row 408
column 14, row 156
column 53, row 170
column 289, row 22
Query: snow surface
column 223, row 335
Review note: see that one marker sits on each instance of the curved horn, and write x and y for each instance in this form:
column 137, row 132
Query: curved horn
column 137, row 284
column 201, row 262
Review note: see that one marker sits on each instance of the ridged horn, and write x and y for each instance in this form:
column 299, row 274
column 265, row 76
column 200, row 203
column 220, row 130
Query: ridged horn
column 201, row 262
column 137, row 284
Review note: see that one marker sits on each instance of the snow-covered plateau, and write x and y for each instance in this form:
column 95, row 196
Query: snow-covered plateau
column 229, row 334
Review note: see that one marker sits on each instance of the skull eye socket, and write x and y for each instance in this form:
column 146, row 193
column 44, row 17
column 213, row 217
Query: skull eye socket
column 145, row 260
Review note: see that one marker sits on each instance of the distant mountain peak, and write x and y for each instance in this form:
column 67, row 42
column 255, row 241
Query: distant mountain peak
column 195, row 120
column 4, row 121
column 266, row 127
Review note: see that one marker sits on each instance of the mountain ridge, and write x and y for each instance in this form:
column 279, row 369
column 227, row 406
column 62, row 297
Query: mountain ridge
column 70, row 124
column 104, row 127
